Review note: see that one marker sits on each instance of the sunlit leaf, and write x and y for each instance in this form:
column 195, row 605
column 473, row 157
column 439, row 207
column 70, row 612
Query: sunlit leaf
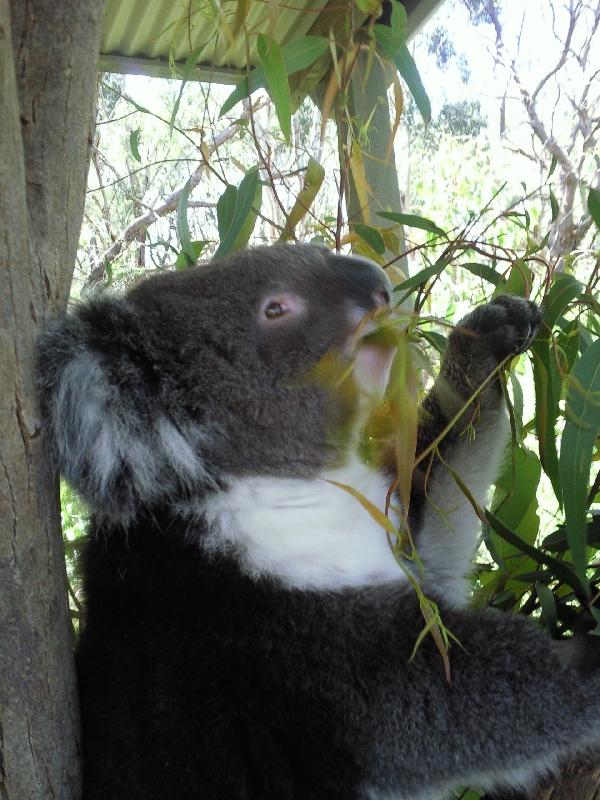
column 273, row 65
column 516, row 486
column 371, row 236
column 554, row 206
column 558, row 568
column 313, row 180
column 548, row 603
column 368, row 6
column 413, row 221
column 484, row 271
column 408, row 69
column 134, row 144
column 183, row 230
column 565, row 289
column 519, row 280
column 593, row 204
column 244, row 199
column 390, row 38
column 547, row 394
column 420, row 279
column 374, row 512
column 186, row 71
column 297, row 55
column 577, row 444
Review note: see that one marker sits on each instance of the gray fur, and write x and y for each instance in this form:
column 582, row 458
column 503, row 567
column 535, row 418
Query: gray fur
column 255, row 631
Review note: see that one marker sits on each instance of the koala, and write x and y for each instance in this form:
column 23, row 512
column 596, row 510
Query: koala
column 248, row 631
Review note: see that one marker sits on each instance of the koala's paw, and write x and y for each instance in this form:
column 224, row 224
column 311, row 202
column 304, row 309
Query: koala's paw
column 506, row 326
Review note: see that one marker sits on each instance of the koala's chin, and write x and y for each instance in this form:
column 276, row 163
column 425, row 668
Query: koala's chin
column 248, row 632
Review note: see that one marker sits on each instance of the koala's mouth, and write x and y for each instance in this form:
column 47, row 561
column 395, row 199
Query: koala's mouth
column 373, row 347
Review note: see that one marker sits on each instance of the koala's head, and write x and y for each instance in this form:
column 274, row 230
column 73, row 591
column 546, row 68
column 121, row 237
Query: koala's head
column 195, row 377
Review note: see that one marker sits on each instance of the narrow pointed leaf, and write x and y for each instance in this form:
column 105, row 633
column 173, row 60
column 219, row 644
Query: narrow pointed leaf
column 134, row 144
column 273, row 64
column 407, row 68
column 577, row 445
column 246, row 193
column 413, row 221
column 183, row 230
column 593, row 204
column 371, row 236
column 297, row 55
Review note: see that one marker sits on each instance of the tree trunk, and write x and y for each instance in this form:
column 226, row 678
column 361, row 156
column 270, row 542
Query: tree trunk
column 47, row 89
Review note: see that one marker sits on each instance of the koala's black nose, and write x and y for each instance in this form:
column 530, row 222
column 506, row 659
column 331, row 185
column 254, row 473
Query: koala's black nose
column 365, row 281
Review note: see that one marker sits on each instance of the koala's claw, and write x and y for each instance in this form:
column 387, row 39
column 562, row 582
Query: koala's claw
column 506, row 326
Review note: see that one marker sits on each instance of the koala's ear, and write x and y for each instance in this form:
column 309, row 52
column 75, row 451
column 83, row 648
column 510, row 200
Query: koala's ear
column 110, row 437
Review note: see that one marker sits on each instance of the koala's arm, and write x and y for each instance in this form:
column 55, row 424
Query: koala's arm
column 511, row 713
column 447, row 525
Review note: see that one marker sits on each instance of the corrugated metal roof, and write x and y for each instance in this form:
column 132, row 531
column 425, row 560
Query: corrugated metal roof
column 152, row 36
column 167, row 31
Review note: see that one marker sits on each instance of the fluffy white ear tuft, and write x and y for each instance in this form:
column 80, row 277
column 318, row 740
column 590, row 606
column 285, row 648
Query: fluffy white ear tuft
column 111, row 438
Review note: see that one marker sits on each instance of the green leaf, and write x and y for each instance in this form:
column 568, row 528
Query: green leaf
column 368, row 6
column 183, row 230
column 516, row 486
column 297, row 55
column 419, row 279
column 553, row 164
column 557, row 540
column 407, row 68
column 371, row 236
column 568, row 341
column 519, row 280
column 593, row 204
column 554, row 206
column 226, row 210
column 233, row 223
column 390, row 38
column 559, row 568
column 183, row 261
column 187, row 70
column 564, row 289
column 484, row 271
column 576, row 449
column 547, row 393
column 273, row 64
column 134, row 144
column 313, row 180
column 413, row 221
column 548, row 603
column 436, row 340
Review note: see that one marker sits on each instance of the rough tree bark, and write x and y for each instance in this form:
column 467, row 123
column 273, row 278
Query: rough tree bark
column 47, row 90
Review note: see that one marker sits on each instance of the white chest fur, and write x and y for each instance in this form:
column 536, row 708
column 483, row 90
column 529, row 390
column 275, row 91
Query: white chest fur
column 308, row 533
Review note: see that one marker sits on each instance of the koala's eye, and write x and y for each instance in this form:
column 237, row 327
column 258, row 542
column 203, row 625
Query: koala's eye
column 281, row 305
column 275, row 309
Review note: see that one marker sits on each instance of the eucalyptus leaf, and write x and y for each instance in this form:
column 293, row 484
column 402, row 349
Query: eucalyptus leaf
column 407, row 68
column 559, row 568
column 484, row 271
column 134, row 144
column 563, row 291
column 187, row 70
column 593, row 204
column 413, row 221
column 273, row 65
column 232, row 225
column 554, row 206
column 371, row 236
column 577, row 445
column 183, row 230
column 297, row 55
